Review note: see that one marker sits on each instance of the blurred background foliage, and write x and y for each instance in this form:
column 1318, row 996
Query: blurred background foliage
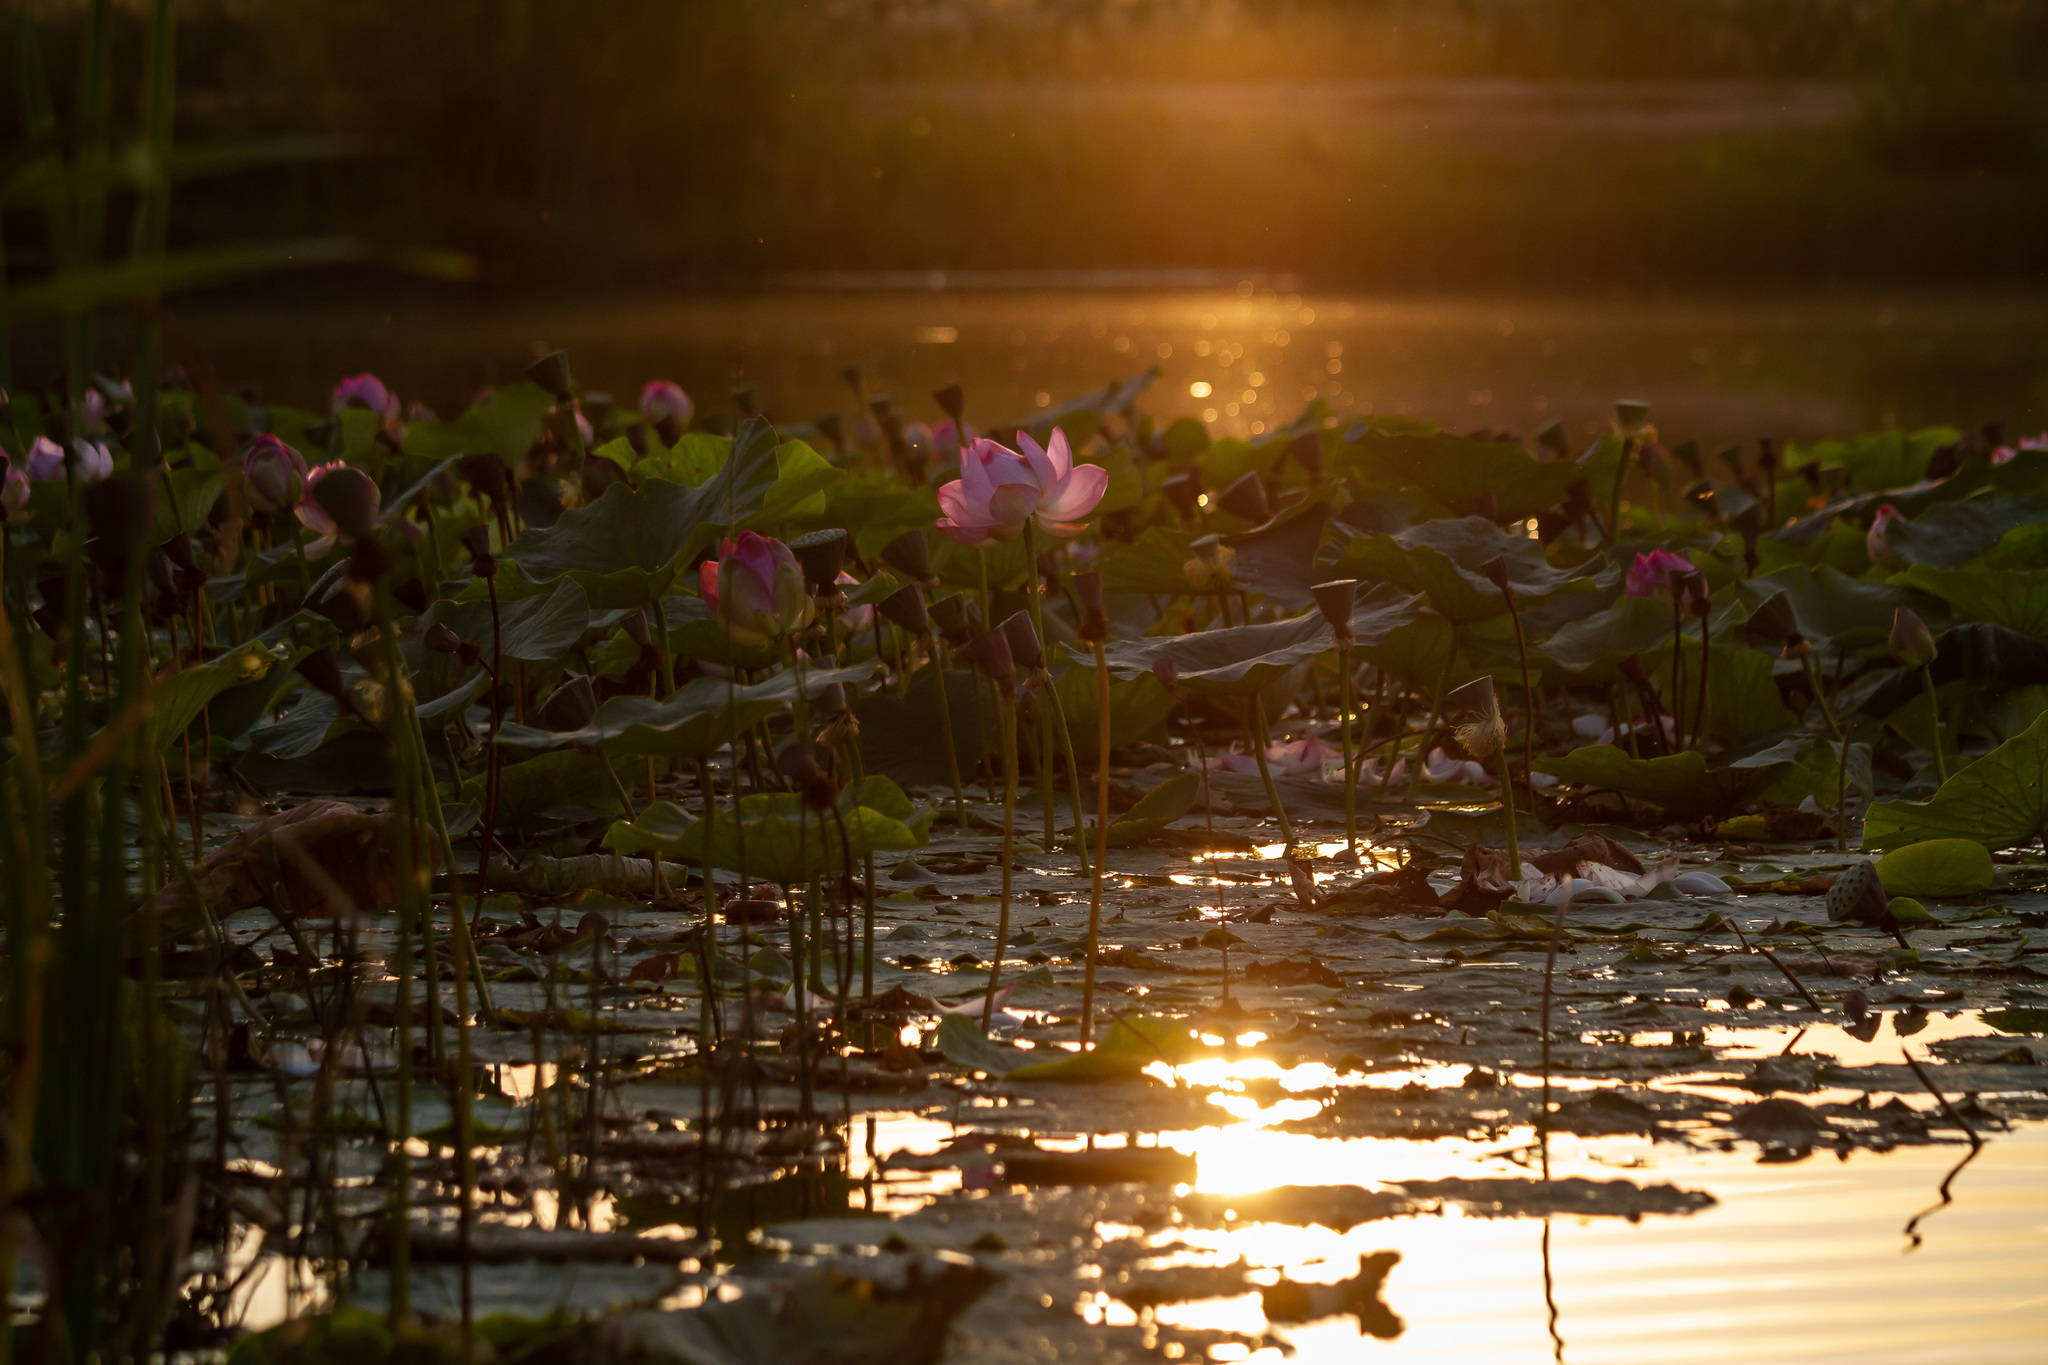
column 664, row 144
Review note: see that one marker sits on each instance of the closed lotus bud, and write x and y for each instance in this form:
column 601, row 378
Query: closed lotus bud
column 14, row 490
column 910, row 553
column 349, row 498
column 551, row 373
column 1335, row 600
column 821, row 554
column 442, row 639
column 1025, row 649
column 990, row 652
column 1087, row 588
column 273, row 475
column 958, row 619
column 1496, row 571
column 905, row 607
column 1246, row 498
column 756, row 589
column 1912, row 642
column 570, row 706
column 1168, row 673
column 951, row 401
column 1878, row 540
column 833, row 428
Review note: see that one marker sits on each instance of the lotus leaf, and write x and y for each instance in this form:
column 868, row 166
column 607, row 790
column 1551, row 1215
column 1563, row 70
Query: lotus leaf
column 178, row 702
column 1879, row 460
column 1681, row 784
column 1442, row 559
column 1160, row 807
column 1952, row 534
column 1456, row 471
column 1126, row 1048
column 1936, row 867
column 507, row 423
column 1999, row 801
column 774, row 838
column 2015, row 598
column 1849, row 613
column 1240, row 660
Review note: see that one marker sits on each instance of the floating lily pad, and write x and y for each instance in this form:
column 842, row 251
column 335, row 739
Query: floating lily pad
column 1937, row 867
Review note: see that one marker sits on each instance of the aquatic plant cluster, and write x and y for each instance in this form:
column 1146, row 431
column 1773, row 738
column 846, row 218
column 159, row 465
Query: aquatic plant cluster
column 727, row 681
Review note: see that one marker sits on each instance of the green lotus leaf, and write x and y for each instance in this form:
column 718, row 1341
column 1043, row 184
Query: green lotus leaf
column 508, row 422
column 775, row 838
column 1160, row 807
column 1079, row 417
column 1682, row 784
column 1878, row 460
column 1125, row 1048
column 702, row 716
column 1240, row 660
column 2015, row 598
column 1953, row 534
column 627, row 548
column 1442, row 560
column 1999, row 801
column 1850, row 613
column 1456, row 471
column 1137, row 706
column 1936, row 867
column 694, row 458
column 542, row 629
column 180, row 699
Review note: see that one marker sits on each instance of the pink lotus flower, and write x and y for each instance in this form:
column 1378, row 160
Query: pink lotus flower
column 1656, row 572
column 860, row 618
column 366, row 390
column 1878, row 541
column 1301, row 757
column 274, row 475
column 662, row 401
column 585, row 430
column 1000, row 491
column 756, row 589
column 2005, row 453
column 13, row 491
column 45, row 460
column 313, row 516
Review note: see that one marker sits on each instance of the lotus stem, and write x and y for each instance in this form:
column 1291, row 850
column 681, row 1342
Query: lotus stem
column 1507, row 810
column 1045, row 766
column 667, row 665
column 1102, row 737
column 1678, row 668
column 1613, row 527
column 1259, row 743
column 1934, row 709
column 1699, row 715
column 938, row 658
column 1350, row 773
column 1528, row 712
column 1436, row 711
column 487, row 831
column 1008, row 721
column 1549, row 970
column 1057, row 718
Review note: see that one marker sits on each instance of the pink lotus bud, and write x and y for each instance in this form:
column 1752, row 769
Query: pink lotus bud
column 1912, row 642
column 1655, row 572
column 366, row 391
column 1168, row 673
column 999, row 491
column 95, row 461
column 662, row 401
column 13, row 490
column 45, row 460
column 757, row 590
column 1878, row 541
column 274, row 475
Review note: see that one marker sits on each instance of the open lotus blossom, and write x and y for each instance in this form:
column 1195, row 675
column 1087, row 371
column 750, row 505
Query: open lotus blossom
column 1297, row 758
column 1591, row 881
column 1878, row 540
column 1656, row 572
column 366, row 390
column 313, row 516
column 274, row 475
column 756, row 588
column 999, row 491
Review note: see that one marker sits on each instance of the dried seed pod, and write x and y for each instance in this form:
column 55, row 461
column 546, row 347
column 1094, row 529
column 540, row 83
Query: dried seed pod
column 905, row 607
column 1858, row 897
column 1335, row 600
column 821, row 554
column 910, row 553
column 990, row 652
column 1025, row 649
column 959, row 620
column 951, row 401
column 1246, row 498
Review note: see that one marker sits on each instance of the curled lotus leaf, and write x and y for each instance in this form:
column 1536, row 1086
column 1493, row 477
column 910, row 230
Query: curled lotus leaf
column 2000, row 801
column 1682, row 784
column 1240, row 660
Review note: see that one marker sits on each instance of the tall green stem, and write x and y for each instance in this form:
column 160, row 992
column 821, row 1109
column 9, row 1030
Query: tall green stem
column 1051, row 693
column 1259, row 745
column 1008, row 721
column 1350, row 773
column 1102, row 735
column 1934, row 711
